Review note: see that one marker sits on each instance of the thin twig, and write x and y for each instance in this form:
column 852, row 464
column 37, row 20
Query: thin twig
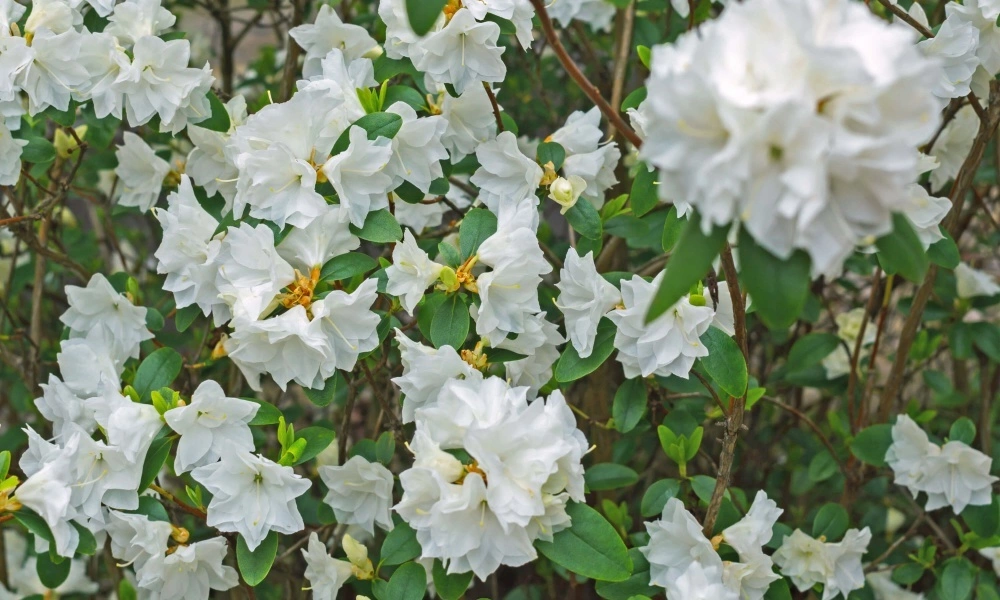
column 496, row 107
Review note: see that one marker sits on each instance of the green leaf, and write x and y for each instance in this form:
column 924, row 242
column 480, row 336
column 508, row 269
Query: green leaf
column 572, row 367
column 645, row 55
column 831, row 521
column 689, row 263
column 158, row 370
column 983, row 520
column 256, row 564
column 585, row 220
column 38, row 150
column 449, row 587
column 376, row 125
column 908, row 573
column 957, row 579
column 779, row 590
column 779, row 287
column 901, row 251
column 589, row 547
column 673, row 226
column 88, row 544
column 657, row 495
column 219, row 121
column 184, row 317
column 326, row 395
column 52, row 574
column 634, row 99
column 822, row 467
column 380, row 227
column 400, row 545
column 126, row 591
column 34, row 523
column 157, row 456
column 944, row 252
column 450, row 325
column 347, row 265
column 477, row 225
column 406, row 94
column 267, row 413
column 317, row 439
column 871, row 444
column 636, row 586
column 551, row 152
column 154, row 319
column 152, row 508
column 423, row 14
column 810, row 349
column 501, row 355
column 725, row 363
column 385, row 448
column 644, row 197
column 409, row 582
column 609, row 476
column 630, row 404
column 963, row 430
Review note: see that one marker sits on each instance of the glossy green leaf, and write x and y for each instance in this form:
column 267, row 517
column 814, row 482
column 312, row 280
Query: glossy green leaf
column 572, row 367
column 158, row 370
column 779, row 288
column 609, row 476
column 450, row 325
column 901, row 251
column 256, row 564
column 477, row 225
column 871, row 444
column 725, row 363
column 219, row 119
column 348, row 265
column 317, row 439
column 643, row 197
column 380, row 227
column 629, row 406
column 689, row 263
column 590, row 546
column 585, row 220
column 422, row 14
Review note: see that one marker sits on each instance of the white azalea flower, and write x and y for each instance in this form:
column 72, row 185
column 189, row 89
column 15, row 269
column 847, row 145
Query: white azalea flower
column 22, row 572
column 972, row 282
column 10, row 157
column 289, row 347
column 464, row 53
column 192, row 571
column 471, row 122
column 596, row 170
column 328, row 32
column 358, row 174
column 807, row 562
column 952, row 146
column 99, row 310
column 425, row 371
column 188, row 251
column 838, row 362
column 506, row 176
column 250, row 271
column 129, row 426
column 136, row 538
column 53, row 72
column 955, row 45
column 566, row 192
column 926, row 213
column 210, row 424
column 159, row 82
column 326, row 574
column 411, row 272
column 977, row 13
column 540, row 343
column 360, row 493
column 86, row 364
column 349, row 324
column 47, row 492
column 208, row 164
column 251, row 495
column 417, row 148
column 61, row 406
column 140, row 171
column 328, row 236
column 135, row 19
column 667, row 346
column 584, row 297
column 676, row 542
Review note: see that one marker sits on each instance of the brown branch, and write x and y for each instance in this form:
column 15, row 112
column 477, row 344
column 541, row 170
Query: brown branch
column 581, row 80
column 292, row 52
column 496, row 107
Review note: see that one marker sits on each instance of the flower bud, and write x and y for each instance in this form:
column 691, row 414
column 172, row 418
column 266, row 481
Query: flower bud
column 566, row 192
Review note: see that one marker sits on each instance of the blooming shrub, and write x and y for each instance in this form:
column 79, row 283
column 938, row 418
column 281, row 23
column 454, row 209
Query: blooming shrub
column 498, row 298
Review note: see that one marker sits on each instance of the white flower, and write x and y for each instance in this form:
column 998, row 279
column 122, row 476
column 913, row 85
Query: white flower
column 417, row 148
column 420, row 216
column 135, row 19
column 288, row 347
column 675, row 543
column 584, row 297
column 838, row 362
column 136, row 538
column 86, row 364
column 326, row 574
column 955, row 45
column 746, row 123
column 667, row 346
column 425, row 371
column 10, row 157
column 187, row 252
column 464, row 53
column 953, row 145
column 250, row 271
column 22, row 572
column 10, row 12
column 360, row 493
column 539, row 342
column 596, row 170
column 953, row 474
column 807, row 561
column 210, row 424
column 925, row 213
column 54, row 72
column 884, row 588
column 977, row 13
column 348, row 323
column 192, row 571
column 140, row 171
column 328, row 236
column 208, row 164
column 60, row 405
column 129, row 426
column 972, row 282
column 358, row 174
column 596, row 13
column 411, row 272
column 47, row 492
column 99, row 310
column 506, row 176
column 251, row 495
column 470, row 122
column 159, row 82
column 328, row 32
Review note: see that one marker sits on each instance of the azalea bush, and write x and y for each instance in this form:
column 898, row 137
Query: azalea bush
column 503, row 299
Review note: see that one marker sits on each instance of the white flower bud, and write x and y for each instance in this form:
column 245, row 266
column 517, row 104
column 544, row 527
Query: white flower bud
column 566, row 192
